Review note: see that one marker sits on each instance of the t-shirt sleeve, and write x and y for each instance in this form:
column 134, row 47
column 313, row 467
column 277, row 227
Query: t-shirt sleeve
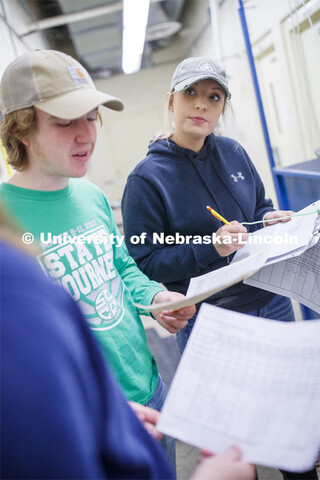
column 141, row 288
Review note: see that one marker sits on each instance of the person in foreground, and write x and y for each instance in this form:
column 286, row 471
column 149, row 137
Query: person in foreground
column 50, row 108
column 185, row 170
column 63, row 415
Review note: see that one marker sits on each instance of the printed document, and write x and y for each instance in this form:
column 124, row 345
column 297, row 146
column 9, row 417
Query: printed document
column 283, row 240
column 226, row 276
column 250, row 382
column 206, row 285
column 251, row 258
column 297, row 278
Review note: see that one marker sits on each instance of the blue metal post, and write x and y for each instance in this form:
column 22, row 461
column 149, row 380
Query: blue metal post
column 278, row 181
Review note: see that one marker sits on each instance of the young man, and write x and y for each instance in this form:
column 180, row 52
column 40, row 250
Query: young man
column 50, row 106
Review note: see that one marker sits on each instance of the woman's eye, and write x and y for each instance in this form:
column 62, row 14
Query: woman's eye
column 215, row 97
column 189, row 91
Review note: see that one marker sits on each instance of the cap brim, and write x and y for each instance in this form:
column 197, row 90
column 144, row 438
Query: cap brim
column 186, row 84
column 75, row 104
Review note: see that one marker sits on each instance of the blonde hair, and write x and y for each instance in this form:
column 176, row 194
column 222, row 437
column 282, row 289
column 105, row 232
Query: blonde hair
column 17, row 126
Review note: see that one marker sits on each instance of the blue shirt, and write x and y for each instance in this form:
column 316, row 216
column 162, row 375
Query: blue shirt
column 62, row 414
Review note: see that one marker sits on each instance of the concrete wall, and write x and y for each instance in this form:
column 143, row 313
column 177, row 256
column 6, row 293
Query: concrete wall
column 124, row 136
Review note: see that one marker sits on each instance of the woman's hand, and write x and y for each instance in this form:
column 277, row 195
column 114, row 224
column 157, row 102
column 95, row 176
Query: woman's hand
column 172, row 320
column 275, row 216
column 230, row 238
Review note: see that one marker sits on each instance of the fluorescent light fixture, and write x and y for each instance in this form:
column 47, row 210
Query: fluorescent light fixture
column 135, row 19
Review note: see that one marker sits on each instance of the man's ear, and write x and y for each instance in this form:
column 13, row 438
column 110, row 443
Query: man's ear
column 26, row 142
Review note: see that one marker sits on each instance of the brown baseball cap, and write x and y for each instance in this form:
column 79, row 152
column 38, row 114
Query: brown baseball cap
column 55, row 83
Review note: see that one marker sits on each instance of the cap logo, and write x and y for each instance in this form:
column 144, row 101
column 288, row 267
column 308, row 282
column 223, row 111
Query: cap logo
column 206, row 67
column 78, row 75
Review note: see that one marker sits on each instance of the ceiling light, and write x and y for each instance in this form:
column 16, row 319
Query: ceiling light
column 135, row 19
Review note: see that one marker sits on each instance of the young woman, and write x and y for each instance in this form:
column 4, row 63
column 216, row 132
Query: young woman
column 183, row 172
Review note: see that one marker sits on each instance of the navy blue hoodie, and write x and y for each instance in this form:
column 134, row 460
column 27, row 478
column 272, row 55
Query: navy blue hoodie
column 167, row 193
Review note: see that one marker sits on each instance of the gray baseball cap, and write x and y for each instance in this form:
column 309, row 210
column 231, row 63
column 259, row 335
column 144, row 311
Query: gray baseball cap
column 53, row 82
column 194, row 69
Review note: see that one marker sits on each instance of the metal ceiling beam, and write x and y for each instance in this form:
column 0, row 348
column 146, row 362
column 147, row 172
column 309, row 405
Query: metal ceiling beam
column 74, row 17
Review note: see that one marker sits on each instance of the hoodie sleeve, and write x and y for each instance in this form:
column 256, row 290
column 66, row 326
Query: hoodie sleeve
column 144, row 214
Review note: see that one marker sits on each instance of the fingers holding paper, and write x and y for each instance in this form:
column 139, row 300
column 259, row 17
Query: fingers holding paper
column 277, row 216
column 224, row 466
column 230, row 238
column 172, row 320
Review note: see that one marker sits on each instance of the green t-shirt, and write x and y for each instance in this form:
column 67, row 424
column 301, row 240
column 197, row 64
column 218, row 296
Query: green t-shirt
column 81, row 250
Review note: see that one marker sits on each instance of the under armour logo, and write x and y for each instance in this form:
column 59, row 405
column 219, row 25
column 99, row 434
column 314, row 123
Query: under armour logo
column 239, row 177
column 206, row 67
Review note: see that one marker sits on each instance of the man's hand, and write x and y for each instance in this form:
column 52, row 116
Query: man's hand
column 224, row 466
column 172, row 320
column 230, row 238
column 274, row 216
column 148, row 417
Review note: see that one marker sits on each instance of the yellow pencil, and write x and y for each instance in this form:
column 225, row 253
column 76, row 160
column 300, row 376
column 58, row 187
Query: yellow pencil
column 218, row 216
